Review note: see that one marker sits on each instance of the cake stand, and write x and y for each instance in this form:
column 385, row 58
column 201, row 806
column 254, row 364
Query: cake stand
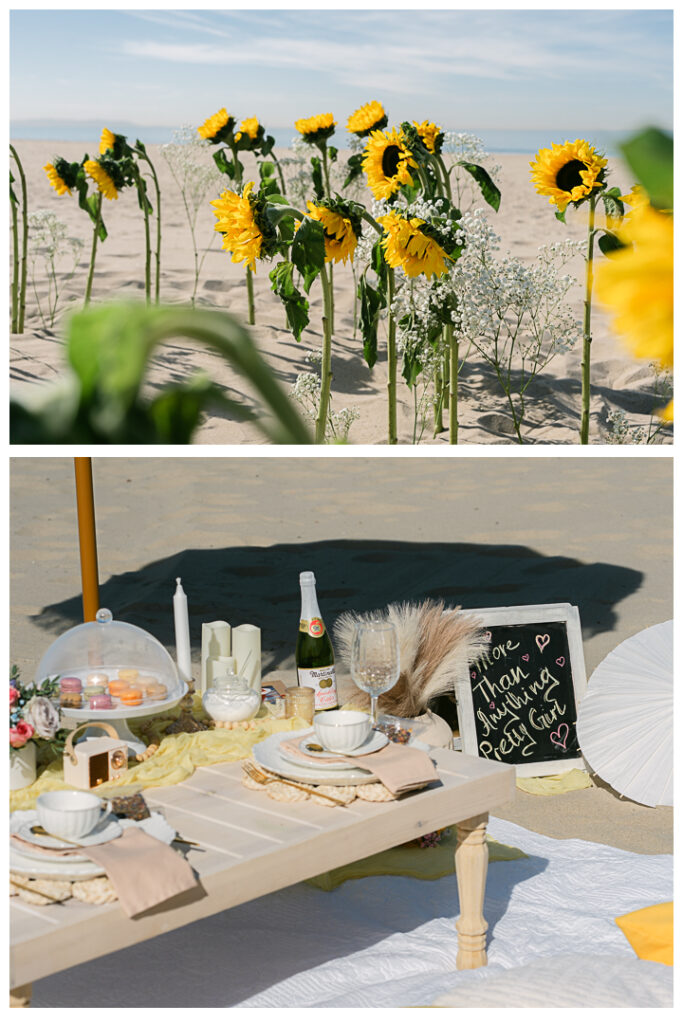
column 118, row 716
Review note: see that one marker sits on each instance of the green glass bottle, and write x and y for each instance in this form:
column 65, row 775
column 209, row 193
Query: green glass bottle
column 314, row 652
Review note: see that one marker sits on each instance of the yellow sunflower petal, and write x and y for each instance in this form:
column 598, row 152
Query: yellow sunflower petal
column 60, row 186
column 567, row 173
column 104, row 183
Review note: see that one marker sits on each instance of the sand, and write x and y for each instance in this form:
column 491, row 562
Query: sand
column 478, row 532
column 524, row 222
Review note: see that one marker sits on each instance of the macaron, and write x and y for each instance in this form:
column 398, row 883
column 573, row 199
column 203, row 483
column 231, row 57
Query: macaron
column 101, row 702
column 117, row 686
column 129, row 674
column 131, row 697
column 70, row 684
column 144, row 681
column 90, row 691
column 156, row 691
column 70, row 700
column 97, row 679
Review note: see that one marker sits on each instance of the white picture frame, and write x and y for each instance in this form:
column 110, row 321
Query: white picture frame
column 525, row 615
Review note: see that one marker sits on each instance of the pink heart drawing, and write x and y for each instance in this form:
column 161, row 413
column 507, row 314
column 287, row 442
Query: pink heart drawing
column 559, row 661
column 487, row 635
column 473, row 674
column 525, row 657
column 542, row 640
column 492, row 704
column 556, row 737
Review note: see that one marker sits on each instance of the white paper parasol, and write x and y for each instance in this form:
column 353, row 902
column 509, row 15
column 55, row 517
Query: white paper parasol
column 625, row 721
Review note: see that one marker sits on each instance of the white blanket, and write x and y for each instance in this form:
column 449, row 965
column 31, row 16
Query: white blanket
column 387, row 942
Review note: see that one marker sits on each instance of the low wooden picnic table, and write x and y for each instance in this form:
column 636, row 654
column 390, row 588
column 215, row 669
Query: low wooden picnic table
column 251, row 845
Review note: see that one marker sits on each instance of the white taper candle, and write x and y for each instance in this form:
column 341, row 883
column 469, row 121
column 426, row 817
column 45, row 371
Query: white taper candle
column 182, row 633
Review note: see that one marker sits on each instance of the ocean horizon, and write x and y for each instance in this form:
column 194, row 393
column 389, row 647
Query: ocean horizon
column 495, row 140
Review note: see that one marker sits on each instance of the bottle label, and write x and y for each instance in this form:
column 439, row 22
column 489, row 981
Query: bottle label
column 314, row 627
column 324, row 682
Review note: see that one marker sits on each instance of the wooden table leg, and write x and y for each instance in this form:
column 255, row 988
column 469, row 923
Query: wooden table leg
column 20, row 997
column 471, row 862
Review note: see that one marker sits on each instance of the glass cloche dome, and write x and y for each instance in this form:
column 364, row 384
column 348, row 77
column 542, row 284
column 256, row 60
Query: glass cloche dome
column 106, row 652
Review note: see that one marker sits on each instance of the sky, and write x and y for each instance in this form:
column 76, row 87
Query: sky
column 466, row 70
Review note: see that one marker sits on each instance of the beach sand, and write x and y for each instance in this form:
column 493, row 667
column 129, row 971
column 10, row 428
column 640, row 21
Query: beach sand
column 478, row 532
column 525, row 221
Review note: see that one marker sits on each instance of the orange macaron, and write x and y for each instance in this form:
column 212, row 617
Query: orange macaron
column 131, row 697
column 117, row 686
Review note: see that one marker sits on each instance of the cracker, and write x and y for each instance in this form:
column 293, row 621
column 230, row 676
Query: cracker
column 39, row 891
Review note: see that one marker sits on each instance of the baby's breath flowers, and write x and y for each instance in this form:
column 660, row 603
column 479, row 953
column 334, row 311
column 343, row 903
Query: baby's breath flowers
column 387, row 163
column 569, row 175
column 50, row 244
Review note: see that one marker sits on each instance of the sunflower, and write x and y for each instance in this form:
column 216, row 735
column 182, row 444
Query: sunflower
column 315, row 129
column 368, row 118
column 637, row 285
column 102, row 178
column 568, row 173
column 250, row 126
column 386, row 162
column 108, row 140
column 238, row 222
column 56, row 180
column 217, row 127
column 431, row 135
column 340, row 227
column 410, row 248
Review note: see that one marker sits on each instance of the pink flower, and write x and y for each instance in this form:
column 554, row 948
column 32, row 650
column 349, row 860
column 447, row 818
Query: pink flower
column 20, row 735
column 13, row 696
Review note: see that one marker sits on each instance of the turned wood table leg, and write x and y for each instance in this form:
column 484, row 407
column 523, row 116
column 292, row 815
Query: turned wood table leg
column 20, row 997
column 471, row 862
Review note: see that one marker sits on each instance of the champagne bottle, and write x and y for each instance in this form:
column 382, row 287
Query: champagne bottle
column 314, row 653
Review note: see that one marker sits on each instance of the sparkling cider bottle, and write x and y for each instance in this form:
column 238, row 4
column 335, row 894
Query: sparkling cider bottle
column 314, row 653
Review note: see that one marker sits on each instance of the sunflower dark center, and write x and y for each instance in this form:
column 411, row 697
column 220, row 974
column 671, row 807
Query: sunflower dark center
column 390, row 161
column 569, row 176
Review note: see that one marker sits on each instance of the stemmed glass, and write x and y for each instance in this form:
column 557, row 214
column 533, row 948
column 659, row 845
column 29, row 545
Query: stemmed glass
column 375, row 660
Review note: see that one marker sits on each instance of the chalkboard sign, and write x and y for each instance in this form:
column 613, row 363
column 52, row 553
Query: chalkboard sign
column 517, row 704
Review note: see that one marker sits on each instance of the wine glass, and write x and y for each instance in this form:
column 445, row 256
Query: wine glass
column 375, row 660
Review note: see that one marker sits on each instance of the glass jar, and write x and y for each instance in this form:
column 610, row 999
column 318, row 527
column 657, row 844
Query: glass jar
column 300, row 702
column 231, row 699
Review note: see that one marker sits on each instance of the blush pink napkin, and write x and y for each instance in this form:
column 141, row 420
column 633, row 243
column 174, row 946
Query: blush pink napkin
column 400, row 768
column 143, row 871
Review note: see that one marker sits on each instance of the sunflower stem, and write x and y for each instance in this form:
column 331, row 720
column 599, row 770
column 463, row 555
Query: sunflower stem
column 453, row 385
column 148, row 258
column 251, row 317
column 326, row 173
column 280, row 174
column 15, row 265
column 93, row 250
column 24, row 242
column 438, row 402
column 586, row 358
column 446, row 373
column 391, row 359
column 444, row 173
column 157, row 255
column 326, row 364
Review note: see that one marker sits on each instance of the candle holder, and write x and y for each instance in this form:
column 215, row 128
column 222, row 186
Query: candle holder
column 186, row 722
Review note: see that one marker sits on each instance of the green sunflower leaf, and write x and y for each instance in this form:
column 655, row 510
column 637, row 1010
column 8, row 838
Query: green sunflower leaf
column 12, row 197
column 609, row 243
column 332, row 153
column 412, row 368
column 141, row 146
column 561, row 215
column 372, row 301
column 317, row 175
column 354, row 167
column 308, row 250
column 613, row 206
column 266, row 170
column 378, row 263
column 224, row 165
column 489, row 190
column 650, row 155
column 267, row 144
column 296, row 306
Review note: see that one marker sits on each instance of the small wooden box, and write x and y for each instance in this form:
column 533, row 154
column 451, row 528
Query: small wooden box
column 94, row 761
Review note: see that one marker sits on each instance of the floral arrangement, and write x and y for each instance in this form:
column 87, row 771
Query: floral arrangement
column 33, row 712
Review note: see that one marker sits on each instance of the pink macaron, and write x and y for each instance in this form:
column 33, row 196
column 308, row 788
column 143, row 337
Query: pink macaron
column 70, row 684
column 101, row 702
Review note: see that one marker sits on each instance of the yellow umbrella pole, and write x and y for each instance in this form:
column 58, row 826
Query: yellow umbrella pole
column 86, row 537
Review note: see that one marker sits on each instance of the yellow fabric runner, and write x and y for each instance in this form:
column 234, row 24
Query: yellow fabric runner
column 549, row 785
column 176, row 759
column 411, row 861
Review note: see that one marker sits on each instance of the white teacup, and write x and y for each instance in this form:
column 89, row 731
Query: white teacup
column 69, row 813
column 342, row 731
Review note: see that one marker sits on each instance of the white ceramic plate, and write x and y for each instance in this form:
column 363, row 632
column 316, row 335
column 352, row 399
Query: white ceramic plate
column 106, row 830
column 78, row 866
column 268, row 755
column 375, row 741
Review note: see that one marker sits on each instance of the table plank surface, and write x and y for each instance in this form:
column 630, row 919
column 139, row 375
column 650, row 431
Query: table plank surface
column 250, row 845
